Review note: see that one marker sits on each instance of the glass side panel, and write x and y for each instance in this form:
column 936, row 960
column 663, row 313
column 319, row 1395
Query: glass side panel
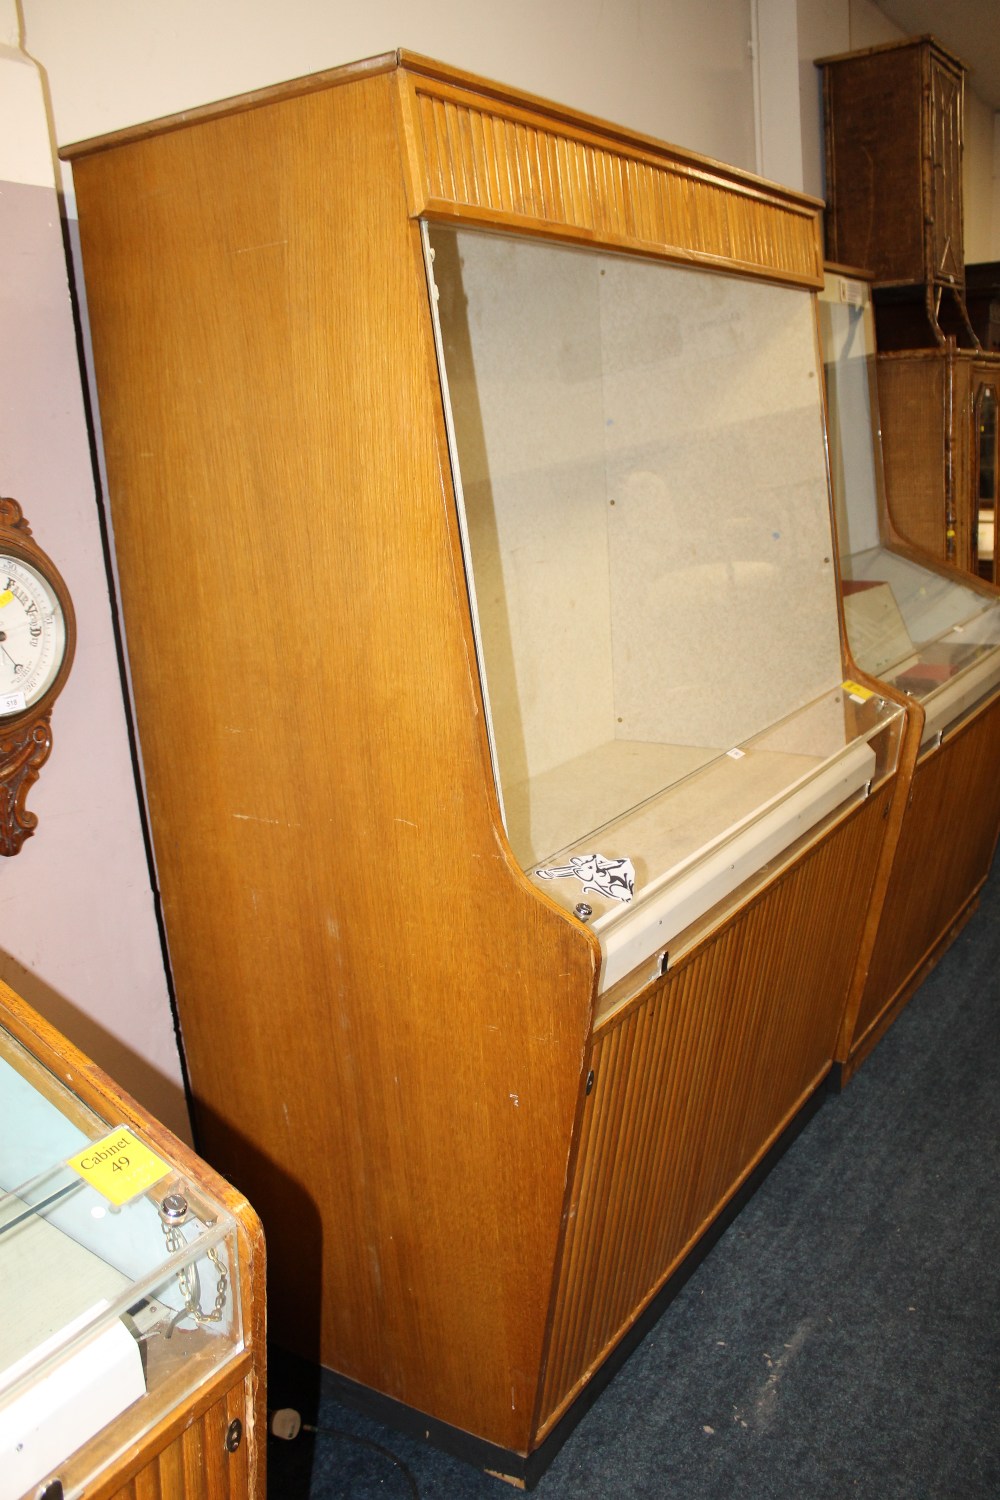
column 639, row 458
column 110, row 1312
column 914, row 627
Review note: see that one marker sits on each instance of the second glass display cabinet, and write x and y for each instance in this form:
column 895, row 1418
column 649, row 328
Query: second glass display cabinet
column 933, row 633
column 540, row 866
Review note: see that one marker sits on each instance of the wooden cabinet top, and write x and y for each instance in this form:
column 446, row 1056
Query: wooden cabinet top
column 477, row 151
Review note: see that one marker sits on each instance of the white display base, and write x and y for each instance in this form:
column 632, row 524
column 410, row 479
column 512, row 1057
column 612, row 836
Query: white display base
column 67, row 1405
column 948, row 703
column 52, row 1289
column 698, row 841
column 684, row 894
column 544, row 812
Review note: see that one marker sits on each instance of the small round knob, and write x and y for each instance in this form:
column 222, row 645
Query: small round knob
column 174, row 1208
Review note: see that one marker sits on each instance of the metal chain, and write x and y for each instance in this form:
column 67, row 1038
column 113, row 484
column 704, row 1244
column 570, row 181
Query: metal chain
column 190, row 1282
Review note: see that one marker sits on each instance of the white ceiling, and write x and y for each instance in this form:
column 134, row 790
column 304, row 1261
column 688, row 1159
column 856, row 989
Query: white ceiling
column 969, row 28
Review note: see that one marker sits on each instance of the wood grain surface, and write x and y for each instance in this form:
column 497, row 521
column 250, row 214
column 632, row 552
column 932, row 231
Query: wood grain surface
column 935, row 874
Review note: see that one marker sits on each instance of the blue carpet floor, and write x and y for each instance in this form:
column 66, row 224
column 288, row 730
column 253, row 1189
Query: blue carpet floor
column 841, row 1340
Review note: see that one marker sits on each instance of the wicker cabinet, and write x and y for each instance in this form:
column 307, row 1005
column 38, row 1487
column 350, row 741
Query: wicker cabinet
column 938, row 411
column 894, row 162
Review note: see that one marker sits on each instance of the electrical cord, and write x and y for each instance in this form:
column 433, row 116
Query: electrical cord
column 287, row 1424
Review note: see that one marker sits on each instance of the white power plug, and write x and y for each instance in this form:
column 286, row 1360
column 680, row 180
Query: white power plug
column 285, row 1423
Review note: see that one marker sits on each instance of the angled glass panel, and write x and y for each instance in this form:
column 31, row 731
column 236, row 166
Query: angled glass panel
column 639, row 458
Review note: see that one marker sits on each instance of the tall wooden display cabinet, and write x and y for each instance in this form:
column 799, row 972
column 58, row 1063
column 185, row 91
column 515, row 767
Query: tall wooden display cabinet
column 514, row 824
column 928, row 630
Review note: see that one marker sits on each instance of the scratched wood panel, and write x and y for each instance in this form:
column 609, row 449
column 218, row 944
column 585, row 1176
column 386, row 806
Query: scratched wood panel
column 692, row 1085
column 934, row 877
column 501, row 163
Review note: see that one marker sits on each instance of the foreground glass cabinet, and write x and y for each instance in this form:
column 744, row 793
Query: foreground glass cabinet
column 934, row 634
column 130, row 1294
column 540, row 836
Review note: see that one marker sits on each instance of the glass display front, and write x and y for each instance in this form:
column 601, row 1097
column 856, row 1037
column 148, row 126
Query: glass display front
column 986, row 468
column 119, row 1284
column 639, row 460
column 909, row 625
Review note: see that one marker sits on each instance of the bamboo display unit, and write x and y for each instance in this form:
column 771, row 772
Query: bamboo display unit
column 515, row 828
column 198, row 1431
column 932, row 632
column 940, row 449
column 894, row 118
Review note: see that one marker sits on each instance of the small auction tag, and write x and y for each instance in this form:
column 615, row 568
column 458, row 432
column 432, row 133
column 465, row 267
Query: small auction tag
column 857, row 692
column 119, row 1166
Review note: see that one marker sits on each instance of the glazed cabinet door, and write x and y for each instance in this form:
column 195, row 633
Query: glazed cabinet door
column 984, row 429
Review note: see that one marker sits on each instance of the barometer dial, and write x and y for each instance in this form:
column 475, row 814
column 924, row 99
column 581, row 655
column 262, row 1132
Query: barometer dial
column 32, row 635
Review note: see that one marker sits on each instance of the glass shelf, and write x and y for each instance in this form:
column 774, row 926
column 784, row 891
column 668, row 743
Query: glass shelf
column 639, row 459
column 111, row 1312
column 920, row 630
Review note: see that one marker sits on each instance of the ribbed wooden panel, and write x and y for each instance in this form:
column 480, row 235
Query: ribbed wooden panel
column 944, row 855
column 694, row 1083
column 495, row 163
column 197, row 1465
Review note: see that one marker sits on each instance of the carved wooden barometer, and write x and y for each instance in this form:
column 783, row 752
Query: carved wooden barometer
column 37, row 640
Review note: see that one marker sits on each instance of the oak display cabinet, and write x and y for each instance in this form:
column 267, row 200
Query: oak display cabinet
column 131, row 1294
column 932, row 633
column 516, row 807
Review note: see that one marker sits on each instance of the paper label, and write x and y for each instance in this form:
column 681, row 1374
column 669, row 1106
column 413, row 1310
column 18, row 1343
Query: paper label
column 614, row 878
column 119, row 1166
column 12, row 703
column 857, row 692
